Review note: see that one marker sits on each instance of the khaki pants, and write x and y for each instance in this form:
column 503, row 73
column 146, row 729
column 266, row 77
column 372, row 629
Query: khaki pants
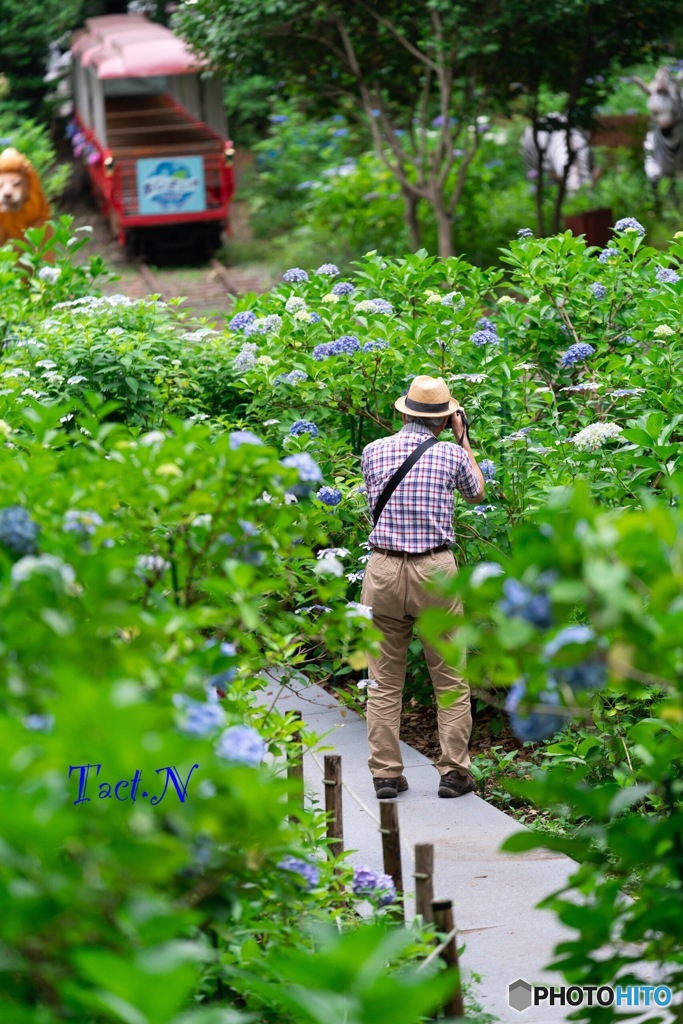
column 394, row 588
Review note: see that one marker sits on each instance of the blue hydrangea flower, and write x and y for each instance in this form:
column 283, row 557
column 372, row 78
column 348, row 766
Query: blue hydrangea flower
column 343, row 288
column 484, row 338
column 577, row 354
column 626, row 339
column 309, row 874
column 525, row 233
column 607, row 254
column 667, row 276
column 329, row 495
column 199, row 719
column 39, row 723
column 488, row 469
column 539, row 722
column 344, row 346
column 241, row 744
column 293, row 377
column 578, row 634
column 382, row 306
column 242, row 320
column 245, row 359
column 307, row 468
column 264, row 325
column 82, row 523
column 303, row 427
column 278, row 118
column 314, row 318
column 328, row 270
column 520, row 601
column 599, row 290
column 18, row 532
column 295, row 275
column 484, row 324
column 629, row 224
column 372, row 346
column 240, row 437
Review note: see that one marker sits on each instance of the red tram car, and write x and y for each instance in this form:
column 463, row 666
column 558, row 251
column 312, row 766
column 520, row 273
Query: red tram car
column 150, row 122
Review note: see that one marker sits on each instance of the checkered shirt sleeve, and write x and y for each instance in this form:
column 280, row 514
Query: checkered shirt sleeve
column 419, row 514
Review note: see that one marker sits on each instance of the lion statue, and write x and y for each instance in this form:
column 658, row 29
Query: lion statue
column 22, row 200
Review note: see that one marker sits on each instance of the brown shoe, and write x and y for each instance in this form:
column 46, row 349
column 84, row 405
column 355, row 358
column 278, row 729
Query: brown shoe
column 456, row 784
column 387, row 789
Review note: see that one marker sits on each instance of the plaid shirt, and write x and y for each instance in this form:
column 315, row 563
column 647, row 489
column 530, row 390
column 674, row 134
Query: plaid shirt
column 419, row 514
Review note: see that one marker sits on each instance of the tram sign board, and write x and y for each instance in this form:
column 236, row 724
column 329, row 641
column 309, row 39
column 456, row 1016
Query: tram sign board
column 171, row 185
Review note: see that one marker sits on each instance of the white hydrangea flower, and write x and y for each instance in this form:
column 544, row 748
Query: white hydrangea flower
column 663, row 331
column 504, row 299
column 333, row 553
column 302, row 315
column 265, row 361
column 354, row 609
column 594, row 436
column 294, row 304
column 330, row 297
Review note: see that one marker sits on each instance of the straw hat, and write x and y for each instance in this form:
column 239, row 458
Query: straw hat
column 427, row 396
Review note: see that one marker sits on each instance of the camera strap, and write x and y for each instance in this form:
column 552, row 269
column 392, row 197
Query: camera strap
column 402, row 471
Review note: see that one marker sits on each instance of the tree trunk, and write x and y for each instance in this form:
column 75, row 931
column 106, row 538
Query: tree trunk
column 444, row 228
column 412, row 223
column 559, row 201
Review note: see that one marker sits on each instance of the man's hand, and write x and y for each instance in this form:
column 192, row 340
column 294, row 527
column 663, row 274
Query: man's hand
column 458, row 425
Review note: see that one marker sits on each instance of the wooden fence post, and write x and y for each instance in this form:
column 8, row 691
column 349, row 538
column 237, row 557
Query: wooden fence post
column 391, row 849
column 443, row 919
column 295, row 767
column 424, row 881
column 333, row 803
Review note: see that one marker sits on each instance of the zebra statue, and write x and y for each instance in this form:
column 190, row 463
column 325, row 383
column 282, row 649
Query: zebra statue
column 558, row 151
column 664, row 141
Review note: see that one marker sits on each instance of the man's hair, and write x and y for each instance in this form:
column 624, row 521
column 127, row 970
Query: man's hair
column 427, row 421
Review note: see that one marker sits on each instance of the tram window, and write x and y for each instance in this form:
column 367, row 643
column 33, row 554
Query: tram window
column 155, row 85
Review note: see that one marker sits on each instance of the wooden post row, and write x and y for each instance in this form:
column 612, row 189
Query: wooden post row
column 443, row 919
column 332, row 780
column 391, row 849
column 424, row 881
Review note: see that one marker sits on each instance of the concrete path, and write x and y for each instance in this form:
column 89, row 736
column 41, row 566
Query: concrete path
column 494, row 894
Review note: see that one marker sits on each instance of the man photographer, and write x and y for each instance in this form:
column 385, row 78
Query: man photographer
column 411, row 480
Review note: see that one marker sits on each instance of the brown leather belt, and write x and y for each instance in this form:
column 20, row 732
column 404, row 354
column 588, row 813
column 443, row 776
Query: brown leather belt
column 412, row 554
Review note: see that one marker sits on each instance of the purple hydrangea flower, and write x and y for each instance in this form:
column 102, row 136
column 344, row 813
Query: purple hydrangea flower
column 241, row 744
column 295, row 275
column 525, row 233
column 246, row 358
column 599, row 291
column 382, row 306
column 240, row 437
column 303, row 427
column 328, row 270
column 626, row 392
column 343, row 288
column 484, row 324
column 386, row 891
column 626, row 339
column 629, row 224
column 667, row 276
column 309, row 874
column 364, row 881
column 488, row 469
column 372, row 346
column 242, row 320
column 577, row 354
column 82, row 523
column 484, row 338
column 278, row 118
column 329, row 495
column 578, row 634
column 18, row 532
column 264, row 325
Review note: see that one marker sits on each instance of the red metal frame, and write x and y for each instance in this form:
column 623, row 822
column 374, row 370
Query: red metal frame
column 115, row 187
